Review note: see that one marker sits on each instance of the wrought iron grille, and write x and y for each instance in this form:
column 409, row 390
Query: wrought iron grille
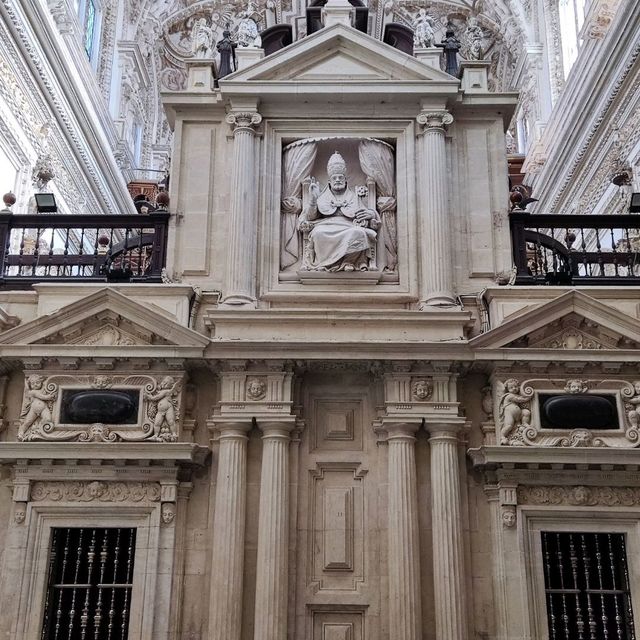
column 587, row 586
column 90, row 581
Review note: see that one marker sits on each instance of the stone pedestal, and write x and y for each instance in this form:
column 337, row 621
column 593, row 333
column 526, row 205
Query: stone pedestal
column 227, row 558
column 273, row 534
column 475, row 76
column 448, row 551
column 436, row 263
column 246, row 56
column 405, row 613
column 337, row 12
column 200, row 75
column 241, row 262
column 430, row 56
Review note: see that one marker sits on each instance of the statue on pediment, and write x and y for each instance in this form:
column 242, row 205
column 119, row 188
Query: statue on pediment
column 202, row 43
column 247, row 34
column 424, row 30
column 330, row 225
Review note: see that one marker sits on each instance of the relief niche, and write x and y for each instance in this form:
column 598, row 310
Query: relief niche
column 338, row 208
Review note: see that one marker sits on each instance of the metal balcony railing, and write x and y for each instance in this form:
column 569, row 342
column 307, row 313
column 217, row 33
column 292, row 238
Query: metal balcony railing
column 576, row 249
column 55, row 247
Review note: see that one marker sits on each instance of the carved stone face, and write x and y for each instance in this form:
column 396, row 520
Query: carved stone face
column 35, row 382
column 509, row 517
column 20, row 514
column 422, row 389
column 338, row 181
column 575, row 386
column 256, row 389
column 580, row 495
column 168, row 512
column 636, row 387
column 512, row 385
column 96, row 489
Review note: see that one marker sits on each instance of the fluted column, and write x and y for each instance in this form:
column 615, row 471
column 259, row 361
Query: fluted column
column 273, row 534
column 446, row 521
column 405, row 611
column 241, row 262
column 227, row 559
column 436, row 233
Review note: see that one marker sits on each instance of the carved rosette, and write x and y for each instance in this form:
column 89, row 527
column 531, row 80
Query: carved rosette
column 158, row 409
column 243, row 121
column 434, row 119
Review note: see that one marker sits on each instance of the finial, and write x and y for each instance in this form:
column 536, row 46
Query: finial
column 9, row 200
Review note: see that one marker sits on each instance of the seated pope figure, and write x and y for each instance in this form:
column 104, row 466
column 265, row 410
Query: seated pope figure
column 341, row 229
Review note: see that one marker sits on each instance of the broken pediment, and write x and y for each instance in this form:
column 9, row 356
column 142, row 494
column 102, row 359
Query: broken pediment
column 573, row 321
column 339, row 53
column 105, row 318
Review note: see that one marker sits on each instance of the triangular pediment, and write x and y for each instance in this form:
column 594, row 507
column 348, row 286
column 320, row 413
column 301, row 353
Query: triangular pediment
column 339, row 53
column 105, row 318
column 573, row 321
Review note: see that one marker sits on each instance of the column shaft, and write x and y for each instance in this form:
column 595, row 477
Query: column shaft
column 273, row 536
column 227, row 559
column 405, row 610
column 241, row 263
column 448, row 551
column 437, row 273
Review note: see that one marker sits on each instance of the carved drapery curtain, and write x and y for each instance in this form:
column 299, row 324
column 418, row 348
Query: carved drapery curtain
column 297, row 162
column 376, row 160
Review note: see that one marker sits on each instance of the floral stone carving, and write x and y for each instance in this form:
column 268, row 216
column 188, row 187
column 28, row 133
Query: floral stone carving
column 579, row 496
column 158, row 414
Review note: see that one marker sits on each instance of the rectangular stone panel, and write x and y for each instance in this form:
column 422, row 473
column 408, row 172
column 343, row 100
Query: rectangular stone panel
column 337, row 424
column 338, row 625
column 338, row 529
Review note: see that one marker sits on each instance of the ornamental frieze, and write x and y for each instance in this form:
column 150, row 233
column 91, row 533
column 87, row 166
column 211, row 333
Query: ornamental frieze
column 95, row 491
column 581, row 496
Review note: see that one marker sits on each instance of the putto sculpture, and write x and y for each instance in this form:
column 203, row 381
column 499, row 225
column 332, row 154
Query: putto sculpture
column 341, row 228
column 202, row 44
column 513, row 409
column 424, row 33
column 247, row 34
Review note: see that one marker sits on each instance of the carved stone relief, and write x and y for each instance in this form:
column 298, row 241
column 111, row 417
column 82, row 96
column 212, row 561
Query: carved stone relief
column 338, row 206
column 96, row 491
column 520, row 423
column 583, row 496
column 158, row 414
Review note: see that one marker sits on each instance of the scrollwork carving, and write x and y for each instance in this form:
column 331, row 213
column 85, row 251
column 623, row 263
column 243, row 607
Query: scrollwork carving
column 580, row 496
column 243, row 120
column 434, row 119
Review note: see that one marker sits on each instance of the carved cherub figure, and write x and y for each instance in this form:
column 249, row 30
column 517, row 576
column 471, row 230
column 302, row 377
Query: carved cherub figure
column 422, row 389
column 512, row 409
column 162, row 406
column 633, row 406
column 36, row 409
column 576, row 386
column 424, row 33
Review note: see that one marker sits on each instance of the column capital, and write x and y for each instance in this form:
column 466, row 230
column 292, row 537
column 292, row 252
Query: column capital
column 277, row 429
column 243, row 120
column 444, row 431
column 401, row 430
column 437, row 120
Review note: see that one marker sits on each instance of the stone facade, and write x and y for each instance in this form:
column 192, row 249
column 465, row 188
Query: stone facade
column 331, row 419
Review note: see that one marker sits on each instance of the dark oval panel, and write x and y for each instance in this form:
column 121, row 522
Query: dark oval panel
column 575, row 412
column 110, row 407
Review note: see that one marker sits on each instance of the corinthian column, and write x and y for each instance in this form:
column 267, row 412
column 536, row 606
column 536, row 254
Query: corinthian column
column 405, row 613
column 446, row 522
column 241, row 263
column 436, row 265
column 227, row 557
column 273, row 534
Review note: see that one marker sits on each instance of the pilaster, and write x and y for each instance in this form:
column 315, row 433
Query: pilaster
column 241, row 262
column 436, row 266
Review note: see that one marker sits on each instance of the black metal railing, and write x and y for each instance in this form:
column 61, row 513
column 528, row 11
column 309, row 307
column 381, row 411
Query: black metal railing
column 57, row 247
column 576, row 249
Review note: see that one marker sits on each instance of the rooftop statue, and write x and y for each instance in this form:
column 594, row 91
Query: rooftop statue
column 424, row 34
column 202, row 45
column 247, row 34
column 341, row 229
column 226, row 48
column 472, row 40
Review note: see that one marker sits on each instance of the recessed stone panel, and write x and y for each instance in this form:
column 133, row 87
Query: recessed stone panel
column 337, row 424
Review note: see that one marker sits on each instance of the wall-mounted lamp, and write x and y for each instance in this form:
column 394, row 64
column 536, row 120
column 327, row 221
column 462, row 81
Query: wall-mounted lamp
column 634, row 206
column 46, row 203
